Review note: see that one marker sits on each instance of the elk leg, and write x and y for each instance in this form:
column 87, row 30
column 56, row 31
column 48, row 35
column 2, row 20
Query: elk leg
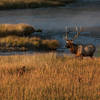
column 79, row 55
column 91, row 57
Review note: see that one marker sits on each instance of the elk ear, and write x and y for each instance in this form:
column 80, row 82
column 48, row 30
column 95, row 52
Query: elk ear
column 71, row 41
column 67, row 41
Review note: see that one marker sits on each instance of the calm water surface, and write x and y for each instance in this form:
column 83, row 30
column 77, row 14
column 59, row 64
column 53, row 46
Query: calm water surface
column 54, row 20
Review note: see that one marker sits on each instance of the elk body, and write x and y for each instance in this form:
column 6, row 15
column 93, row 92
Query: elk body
column 79, row 50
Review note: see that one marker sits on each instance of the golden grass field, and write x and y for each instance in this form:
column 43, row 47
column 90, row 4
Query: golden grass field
column 13, row 4
column 49, row 76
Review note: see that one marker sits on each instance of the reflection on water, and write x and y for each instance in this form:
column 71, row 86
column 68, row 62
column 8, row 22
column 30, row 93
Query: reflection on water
column 54, row 20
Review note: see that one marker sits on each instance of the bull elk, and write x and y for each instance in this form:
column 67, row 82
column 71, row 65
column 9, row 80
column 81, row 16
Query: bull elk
column 79, row 50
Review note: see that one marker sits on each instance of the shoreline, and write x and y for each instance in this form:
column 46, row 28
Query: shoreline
column 8, row 5
column 71, row 4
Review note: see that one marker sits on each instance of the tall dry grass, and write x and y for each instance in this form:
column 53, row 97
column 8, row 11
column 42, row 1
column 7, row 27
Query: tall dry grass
column 49, row 77
column 20, row 29
column 15, row 43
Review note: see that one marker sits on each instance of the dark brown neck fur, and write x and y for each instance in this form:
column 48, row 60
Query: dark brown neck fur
column 73, row 48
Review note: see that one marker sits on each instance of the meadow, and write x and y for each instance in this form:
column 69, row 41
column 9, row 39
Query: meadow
column 49, row 76
column 13, row 4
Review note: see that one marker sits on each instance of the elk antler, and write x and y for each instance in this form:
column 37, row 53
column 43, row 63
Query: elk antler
column 76, row 36
column 66, row 37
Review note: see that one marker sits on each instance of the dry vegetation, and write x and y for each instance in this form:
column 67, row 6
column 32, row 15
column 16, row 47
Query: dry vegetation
column 13, row 4
column 49, row 77
column 20, row 29
column 18, row 37
column 15, row 43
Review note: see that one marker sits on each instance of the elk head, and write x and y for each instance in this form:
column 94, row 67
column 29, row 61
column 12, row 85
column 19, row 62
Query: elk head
column 69, row 43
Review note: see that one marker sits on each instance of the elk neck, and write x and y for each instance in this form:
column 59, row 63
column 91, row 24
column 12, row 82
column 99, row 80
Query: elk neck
column 73, row 48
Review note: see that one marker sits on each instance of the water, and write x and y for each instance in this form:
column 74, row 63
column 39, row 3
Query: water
column 54, row 20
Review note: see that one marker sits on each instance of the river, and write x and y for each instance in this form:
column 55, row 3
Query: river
column 54, row 20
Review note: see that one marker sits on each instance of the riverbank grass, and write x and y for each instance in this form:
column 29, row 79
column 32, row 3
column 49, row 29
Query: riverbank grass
column 20, row 29
column 14, row 4
column 15, row 43
column 49, row 77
